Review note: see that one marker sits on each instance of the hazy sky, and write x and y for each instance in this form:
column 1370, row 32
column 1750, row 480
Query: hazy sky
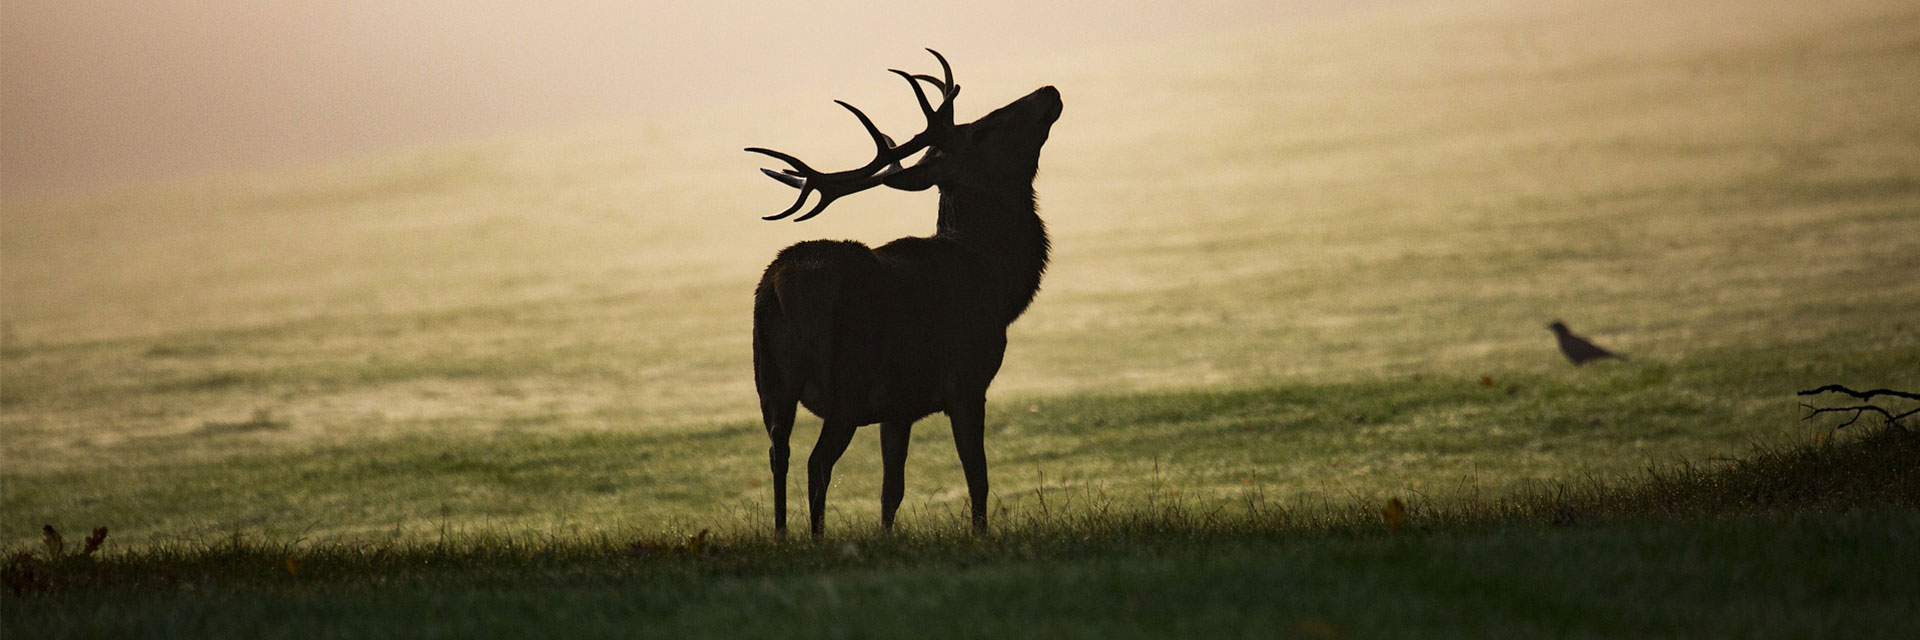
column 97, row 94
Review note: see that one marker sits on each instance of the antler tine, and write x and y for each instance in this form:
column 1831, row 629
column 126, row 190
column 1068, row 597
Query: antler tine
column 787, row 177
column 926, row 108
column 946, row 71
column 797, row 164
column 880, row 140
column 949, row 91
column 801, row 177
column 797, row 203
column 825, row 199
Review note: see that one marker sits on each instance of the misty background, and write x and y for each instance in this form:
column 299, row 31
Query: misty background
column 110, row 94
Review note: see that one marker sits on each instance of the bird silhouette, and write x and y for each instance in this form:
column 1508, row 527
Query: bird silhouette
column 1579, row 350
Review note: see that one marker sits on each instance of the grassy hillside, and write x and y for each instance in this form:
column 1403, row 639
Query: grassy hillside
column 1285, row 260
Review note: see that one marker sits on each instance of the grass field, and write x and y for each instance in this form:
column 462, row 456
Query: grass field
column 1797, row 542
column 1311, row 264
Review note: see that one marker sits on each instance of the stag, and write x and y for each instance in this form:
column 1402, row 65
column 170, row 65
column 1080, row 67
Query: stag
column 888, row 336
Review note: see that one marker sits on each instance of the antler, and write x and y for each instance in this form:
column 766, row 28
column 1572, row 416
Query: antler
column 886, row 158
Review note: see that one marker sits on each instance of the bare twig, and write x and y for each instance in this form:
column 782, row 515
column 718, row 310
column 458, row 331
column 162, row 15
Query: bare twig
column 1857, row 412
column 1892, row 418
column 1863, row 395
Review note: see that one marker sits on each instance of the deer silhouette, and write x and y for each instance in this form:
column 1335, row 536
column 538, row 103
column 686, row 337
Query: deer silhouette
column 893, row 334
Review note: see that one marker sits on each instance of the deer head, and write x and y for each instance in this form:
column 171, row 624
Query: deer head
column 1002, row 148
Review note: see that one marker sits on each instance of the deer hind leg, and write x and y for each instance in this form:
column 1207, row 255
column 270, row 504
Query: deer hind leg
column 893, row 457
column 779, row 396
column 834, row 436
column 778, row 415
column 969, row 438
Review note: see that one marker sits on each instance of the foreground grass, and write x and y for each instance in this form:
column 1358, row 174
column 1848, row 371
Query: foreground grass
column 1406, row 193
column 1810, row 540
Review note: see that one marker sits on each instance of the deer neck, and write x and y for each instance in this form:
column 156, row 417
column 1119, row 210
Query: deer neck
column 1005, row 230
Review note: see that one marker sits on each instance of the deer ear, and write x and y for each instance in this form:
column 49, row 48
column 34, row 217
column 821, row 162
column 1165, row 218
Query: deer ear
column 915, row 178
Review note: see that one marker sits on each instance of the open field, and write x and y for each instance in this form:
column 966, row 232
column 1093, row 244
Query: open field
column 1286, row 260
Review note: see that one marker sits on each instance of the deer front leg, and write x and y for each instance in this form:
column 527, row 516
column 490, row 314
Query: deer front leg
column 893, row 458
column 834, row 436
column 969, row 437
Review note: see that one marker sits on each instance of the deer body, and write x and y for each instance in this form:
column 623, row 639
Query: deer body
column 890, row 335
column 874, row 335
